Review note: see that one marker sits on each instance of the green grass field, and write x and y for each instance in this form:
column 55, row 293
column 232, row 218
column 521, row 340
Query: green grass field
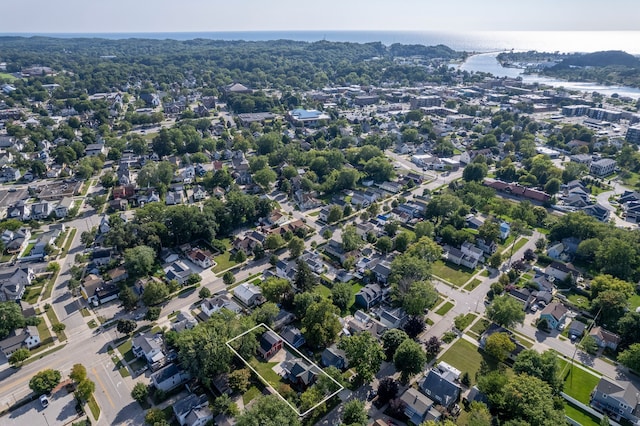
column 579, row 383
column 465, row 356
column 473, row 284
column 463, row 320
column 521, row 242
column 251, row 393
column 582, row 417
column 126, row 351
column 456, row 275
column 223, row 262
column 6, row 76
column 444, row 308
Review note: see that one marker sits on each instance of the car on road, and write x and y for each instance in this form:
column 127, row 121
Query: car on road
column 44, row 401
column 139, row 316
column 372, row 394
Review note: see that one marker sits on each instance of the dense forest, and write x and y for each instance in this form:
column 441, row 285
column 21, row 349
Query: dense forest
column 99, row 65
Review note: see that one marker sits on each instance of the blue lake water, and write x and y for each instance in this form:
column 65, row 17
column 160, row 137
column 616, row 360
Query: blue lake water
column 487, row 62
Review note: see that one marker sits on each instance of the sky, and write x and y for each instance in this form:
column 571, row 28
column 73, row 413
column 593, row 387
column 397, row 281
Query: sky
column 106, row 16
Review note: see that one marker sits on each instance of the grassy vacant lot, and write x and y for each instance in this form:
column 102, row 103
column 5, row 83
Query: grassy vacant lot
column 582, row 417
column 223, row 262
column 579, row 383
column 444, row 308
column 456, row 275
column 465, row 356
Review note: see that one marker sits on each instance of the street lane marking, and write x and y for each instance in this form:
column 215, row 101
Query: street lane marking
column 104, row 389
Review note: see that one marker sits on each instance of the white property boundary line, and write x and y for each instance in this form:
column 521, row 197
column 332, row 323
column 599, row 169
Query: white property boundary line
column 313, row 364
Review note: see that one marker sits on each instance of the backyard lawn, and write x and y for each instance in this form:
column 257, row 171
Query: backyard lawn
column 456, row 275
column 265, row 369
column 251, row 393
column 582, row 417
column 465, row 356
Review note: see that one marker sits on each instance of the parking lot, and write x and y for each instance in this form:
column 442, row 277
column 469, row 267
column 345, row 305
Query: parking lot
column 60, row 411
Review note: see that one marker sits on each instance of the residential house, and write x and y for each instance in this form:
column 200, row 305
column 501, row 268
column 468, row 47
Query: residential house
column 198, row 193
column 27, row 337
column 369, row 296
column 306, row 200
column 382, row 270
column 392, row 187
column 418, row 407
column 9, row 174
column 270, row 343
column 522, row 295
column 184, row 321
column 334, row 357
column 598, row 211
column 193, row 410
column 101, row 256
column 96, row 291
column 299, row 373
column 169, row 378
column 174, row 197
column 178, row 271
column 148, row 348
column 605, row 338
column 555, row 314
column 618, row 400
column 13, row 282
column 495, row 328
column 363, row 322
column 293, row 336
column 141, row 283
column 95, row 149
column 41, row 210
column 458, row 257
column 487, row 248
column 392, row 317
column 440, row 389
column 213, row 304
column 15, row 241
column 577, row 328
column 19, row 211
column 63, row 207
column 555, row 251
column 201, row 258
column 560, row 271
column 117, row 274
column 249, row 294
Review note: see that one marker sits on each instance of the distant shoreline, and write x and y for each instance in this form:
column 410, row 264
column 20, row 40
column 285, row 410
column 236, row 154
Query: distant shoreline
column 470, row 41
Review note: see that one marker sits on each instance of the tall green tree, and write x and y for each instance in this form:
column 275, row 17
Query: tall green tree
column 341, row 295
column 11, row 318
column 409, row 359
column 499, row 346
column 139, row 260
column 364, row 354
column 421, row 295
column 354, row 413
column 44, row 381
column 268, row 411
column 505, row 311
column 321, row 323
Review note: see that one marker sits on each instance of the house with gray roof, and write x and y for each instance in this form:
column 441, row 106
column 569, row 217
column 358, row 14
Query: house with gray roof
column 436, row 386
column 418, row 407
column 193, row 410
column 169, row 377
column 618, row 400
column 27, row 337
column 148, row 347
column 369, row 296
column 334, row 357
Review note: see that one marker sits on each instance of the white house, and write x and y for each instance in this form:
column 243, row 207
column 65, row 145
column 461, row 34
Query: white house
column 62, row 209
column 248, row 294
